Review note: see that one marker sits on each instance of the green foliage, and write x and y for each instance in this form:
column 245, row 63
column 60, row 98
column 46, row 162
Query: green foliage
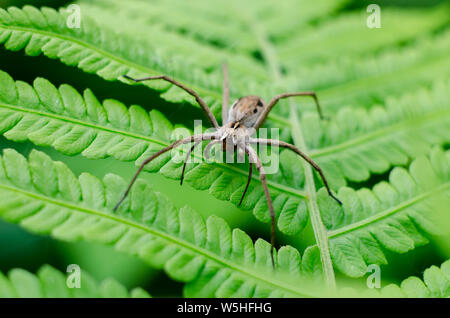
column 388, row 123
column 435, row 283
column 51, row 283
column 397, row 215
column 83, row 125
column 45, row 197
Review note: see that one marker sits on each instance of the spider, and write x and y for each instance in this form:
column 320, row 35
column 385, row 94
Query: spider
column 239, row 123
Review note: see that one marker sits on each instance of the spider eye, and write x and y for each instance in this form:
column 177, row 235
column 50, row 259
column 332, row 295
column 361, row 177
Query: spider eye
column 255, row 111
column 260, row 104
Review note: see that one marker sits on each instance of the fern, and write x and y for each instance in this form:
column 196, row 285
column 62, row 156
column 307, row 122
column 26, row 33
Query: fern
column 336, row 37
column 199, row 21
column 45, row 197
column 79, row 124
column 100, row 51
column 358, row 143
column 435, row 283
column 386, row 99
column 51, row 283
column 395, row 215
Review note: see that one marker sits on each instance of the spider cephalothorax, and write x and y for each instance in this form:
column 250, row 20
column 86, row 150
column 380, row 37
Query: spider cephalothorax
column 245, row 111
column 240, row 122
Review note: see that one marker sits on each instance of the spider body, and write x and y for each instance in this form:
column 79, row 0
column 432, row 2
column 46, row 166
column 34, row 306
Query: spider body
column 245, row 111
column 240, row 122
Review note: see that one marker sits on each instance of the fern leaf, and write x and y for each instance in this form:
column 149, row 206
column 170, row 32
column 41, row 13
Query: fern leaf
column 95, row 50
column 198, row 21
column 83, row 125
column 353, row 80
column 51, row 283
column 363, row 81
column 76, row 124
column 207, row 255
column 396, row 216
column 336, row 37
column 435, row 284
column 357, row 143
column 111, row 55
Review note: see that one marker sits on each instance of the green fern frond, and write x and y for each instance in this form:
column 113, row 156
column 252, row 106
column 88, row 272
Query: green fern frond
column 396, row 216
column 45, row 197
column 257, row 40
column 96, row 50
column 336, row 37
column 198, row 21
column 435, row 284
column 357, row 143
column 348, row 81
column 362, row 81
column 75, row 124
column 51, row 283
column 111, row 55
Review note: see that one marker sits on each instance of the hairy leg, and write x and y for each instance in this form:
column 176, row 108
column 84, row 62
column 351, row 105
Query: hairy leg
column 190, row 91
column 225, row 94
column 159, row 153
column 275, row 100
column 186, row 159
column 283, row 144
column 254, row 158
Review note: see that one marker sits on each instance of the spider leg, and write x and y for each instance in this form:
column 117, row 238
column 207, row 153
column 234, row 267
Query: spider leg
column 248, row 182
column 225, row 94
column 275, row 100
column 157, row 154
column 283, row 144
column 186, row 159
column 254, row 158
column 190, row 91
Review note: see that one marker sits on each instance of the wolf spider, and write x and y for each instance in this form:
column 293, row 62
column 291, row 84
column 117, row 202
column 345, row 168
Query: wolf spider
column 244, row 117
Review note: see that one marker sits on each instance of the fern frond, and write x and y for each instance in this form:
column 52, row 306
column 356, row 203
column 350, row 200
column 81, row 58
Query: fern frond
column 51, row 283
column 336, row 37
column 339, row 81
column 73, row 124
column 435, row 284
column 101, row 51
column 362, row 81
column 110, row 55
column 198, row 21
column 396, row 216
column 357, row 143
column 45, row 197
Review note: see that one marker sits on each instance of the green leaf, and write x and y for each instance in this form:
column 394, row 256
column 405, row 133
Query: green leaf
column 51, row 283
column 435, row 284
column 270, row 49
column 179, row 241
column 396, row 216
column 112, row 130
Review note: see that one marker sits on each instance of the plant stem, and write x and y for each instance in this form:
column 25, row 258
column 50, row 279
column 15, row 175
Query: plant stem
column 319, row 229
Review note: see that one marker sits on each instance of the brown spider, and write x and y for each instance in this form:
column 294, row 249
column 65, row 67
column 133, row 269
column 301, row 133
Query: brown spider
column 244, row 117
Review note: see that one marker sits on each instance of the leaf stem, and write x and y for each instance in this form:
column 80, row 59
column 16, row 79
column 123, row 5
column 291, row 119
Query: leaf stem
column 319, row 229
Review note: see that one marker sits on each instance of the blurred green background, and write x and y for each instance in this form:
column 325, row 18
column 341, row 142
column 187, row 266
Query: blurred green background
column 21, row 249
